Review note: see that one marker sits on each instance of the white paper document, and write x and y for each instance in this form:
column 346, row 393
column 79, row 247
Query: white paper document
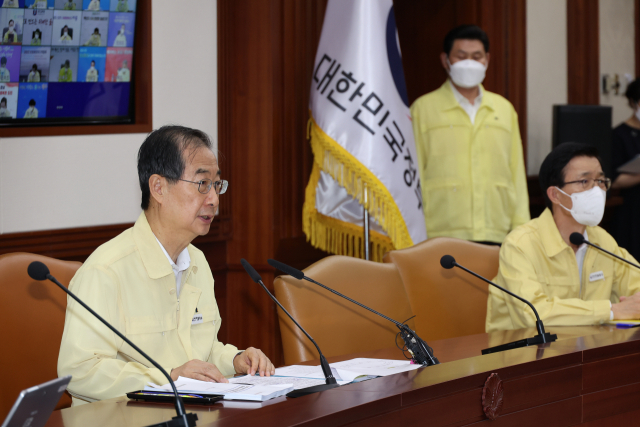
column 298, row 383
column 379, row 367
column 230, row 391
column 302, row 371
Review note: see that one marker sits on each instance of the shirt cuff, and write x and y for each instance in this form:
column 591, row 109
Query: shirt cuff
column 611, row 311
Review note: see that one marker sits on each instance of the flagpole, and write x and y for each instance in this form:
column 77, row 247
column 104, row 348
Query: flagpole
column 366, row 225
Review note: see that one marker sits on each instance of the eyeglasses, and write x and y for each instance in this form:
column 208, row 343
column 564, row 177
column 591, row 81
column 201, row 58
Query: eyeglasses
column 589, row 183
column 204, row 186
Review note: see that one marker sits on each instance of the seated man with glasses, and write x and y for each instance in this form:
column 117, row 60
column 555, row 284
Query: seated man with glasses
column 568, row 285
column 153, row 285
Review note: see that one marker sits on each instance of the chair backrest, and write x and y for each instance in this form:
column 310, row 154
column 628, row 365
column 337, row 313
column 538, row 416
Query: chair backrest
column 338, row 326
column 447, row 303
column 32, row 318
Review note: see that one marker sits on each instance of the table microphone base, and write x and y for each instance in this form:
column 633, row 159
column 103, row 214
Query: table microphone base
column 522, row 343
column 311, row 390
column 187, row 420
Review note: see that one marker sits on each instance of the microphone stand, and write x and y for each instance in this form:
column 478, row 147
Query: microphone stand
column 541, row 338
column 182, row 419
column 419, row 349
column 330, row 381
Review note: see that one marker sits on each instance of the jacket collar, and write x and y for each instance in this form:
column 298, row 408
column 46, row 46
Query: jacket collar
column 450, row 101
column 154, row 260
column 551, row 238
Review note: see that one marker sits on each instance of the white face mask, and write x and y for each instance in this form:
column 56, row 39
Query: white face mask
column 588, row 206
column 467, row 73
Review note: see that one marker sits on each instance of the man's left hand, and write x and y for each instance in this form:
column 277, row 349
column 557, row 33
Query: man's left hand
column 253, row 360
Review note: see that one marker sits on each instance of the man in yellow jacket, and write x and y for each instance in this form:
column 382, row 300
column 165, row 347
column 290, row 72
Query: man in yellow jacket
column 153, row 285
column 568, row 285
column 469, row 149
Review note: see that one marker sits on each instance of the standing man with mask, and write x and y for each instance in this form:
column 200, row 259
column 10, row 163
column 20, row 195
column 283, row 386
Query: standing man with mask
column 568, row 285
column 469, row 149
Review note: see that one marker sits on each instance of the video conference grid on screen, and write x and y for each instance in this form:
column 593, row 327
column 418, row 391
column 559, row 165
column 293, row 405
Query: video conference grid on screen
column 65, row 59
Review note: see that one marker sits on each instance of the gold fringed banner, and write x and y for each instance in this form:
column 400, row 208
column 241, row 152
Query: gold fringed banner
column 335, row 160
column 335, row 236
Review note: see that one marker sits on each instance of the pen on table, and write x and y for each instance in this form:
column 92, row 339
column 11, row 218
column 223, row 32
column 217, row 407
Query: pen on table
column 627, row 325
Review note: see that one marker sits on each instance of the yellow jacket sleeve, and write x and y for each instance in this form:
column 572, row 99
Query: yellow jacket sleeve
column 521, row 212
column 97, row 373
column 627, row 277
column 517, row 274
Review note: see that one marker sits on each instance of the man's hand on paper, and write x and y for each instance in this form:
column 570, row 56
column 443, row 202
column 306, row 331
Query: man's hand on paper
column 199, row 370
column 627, row 308
column 253, row 360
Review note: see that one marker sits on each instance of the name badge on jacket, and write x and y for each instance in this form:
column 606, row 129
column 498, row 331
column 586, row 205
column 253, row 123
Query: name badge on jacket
column 197, row 319
column 594, row 277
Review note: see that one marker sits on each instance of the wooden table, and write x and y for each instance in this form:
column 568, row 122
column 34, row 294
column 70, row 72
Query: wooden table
column 590, row 376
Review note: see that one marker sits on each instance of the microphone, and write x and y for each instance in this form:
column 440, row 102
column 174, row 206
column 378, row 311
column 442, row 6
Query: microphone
column 448, row 262
column 39, row 271
column 419, row 349
column 578, row 239
column 329, row 378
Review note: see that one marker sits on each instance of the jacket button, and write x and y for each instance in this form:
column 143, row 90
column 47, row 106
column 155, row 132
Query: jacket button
column 172, row 291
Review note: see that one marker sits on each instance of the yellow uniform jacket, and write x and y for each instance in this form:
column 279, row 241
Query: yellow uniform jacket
column 472, row 175
column 537, row 264
column 130, row 282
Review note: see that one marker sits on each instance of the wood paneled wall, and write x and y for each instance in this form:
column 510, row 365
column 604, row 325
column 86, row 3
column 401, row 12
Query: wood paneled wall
column 422, row 26
column 266, row 52
column 583, row 52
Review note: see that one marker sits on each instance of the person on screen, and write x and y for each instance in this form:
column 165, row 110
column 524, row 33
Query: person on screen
column 10, row 3
column 121, row 38
column 36, row 38
column 32, row 111
column 70, row 5
column 4, row 113
column 95, row 39
column 64, row 35
column 94, row 5
column 5, row 75
column 92, row 73
column 34, row 74
column 569, row 285
column 11, row 36
column 65, row 74
column 150, row 281
column 124, row 75
column 39, row 4
column 123, row 6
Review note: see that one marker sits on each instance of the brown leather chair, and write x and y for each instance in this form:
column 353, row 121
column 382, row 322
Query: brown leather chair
column 338, row 326
column 32, row 316
column 447, row 303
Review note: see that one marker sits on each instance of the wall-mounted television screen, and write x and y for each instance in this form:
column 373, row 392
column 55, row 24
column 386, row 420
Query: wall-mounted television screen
column 66, row 62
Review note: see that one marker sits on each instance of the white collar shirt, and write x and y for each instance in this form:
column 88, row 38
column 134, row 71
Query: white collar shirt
column 183, row 262
column 468, row 107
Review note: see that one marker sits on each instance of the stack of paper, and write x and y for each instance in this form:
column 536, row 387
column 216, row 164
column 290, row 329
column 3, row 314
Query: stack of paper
column 302, row 376
column 230, row 391
column 289, row 378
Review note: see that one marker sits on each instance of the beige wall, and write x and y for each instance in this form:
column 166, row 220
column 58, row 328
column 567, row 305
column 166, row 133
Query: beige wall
column 78, row 181
column 617, row 51
column 546, row 74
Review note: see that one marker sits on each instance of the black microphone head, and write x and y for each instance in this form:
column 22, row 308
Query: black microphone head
column 250, row 271
column 297, row 274
column 576, row 238
column 38, row 271
column 447, row 262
